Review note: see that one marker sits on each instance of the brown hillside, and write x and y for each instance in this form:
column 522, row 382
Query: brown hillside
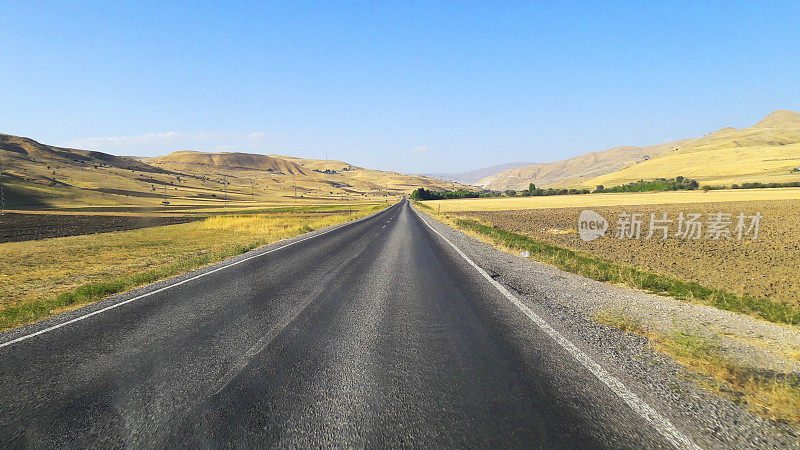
column 233, row 160
column 25, row 148
column 574, row 170
column 768, row 151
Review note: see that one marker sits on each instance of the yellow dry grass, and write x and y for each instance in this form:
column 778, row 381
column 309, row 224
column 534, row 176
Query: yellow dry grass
column 276, row 227
column 773, row 395
column 613, row 199
column 41, row 270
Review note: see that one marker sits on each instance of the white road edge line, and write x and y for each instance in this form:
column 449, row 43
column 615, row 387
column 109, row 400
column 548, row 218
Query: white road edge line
column 678, row 439
column 125, row 302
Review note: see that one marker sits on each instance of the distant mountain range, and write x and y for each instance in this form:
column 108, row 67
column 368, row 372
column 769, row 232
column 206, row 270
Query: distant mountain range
column 40, row 176
column 472, row 176
column 574, row 171
column 769, row 151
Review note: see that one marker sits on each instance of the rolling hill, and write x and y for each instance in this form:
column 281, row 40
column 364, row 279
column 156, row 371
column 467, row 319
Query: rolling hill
column 768, row 151
column 249, row 161
column 577, row 170
column 40, row 176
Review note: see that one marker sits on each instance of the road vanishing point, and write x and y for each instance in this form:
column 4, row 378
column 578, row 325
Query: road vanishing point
column 375, row 333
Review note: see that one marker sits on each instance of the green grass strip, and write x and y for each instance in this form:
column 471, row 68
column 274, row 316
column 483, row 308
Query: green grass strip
column 422, row 205
column 604, row 270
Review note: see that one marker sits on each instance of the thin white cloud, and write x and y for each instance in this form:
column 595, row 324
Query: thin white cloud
column 421, row 150
column 153, row 144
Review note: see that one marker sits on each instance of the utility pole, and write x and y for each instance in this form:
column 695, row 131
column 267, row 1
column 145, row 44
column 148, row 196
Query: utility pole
column 295, row 191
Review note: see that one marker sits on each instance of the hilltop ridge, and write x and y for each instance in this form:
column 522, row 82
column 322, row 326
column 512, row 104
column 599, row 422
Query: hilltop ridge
column 782, row 118
column 32, row 150
column 765, row 152
column 232, row 160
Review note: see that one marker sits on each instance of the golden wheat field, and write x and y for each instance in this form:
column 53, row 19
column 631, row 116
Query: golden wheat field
column 766, row 267
column 613, row 199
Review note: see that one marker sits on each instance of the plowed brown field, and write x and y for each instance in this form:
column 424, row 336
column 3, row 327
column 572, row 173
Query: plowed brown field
column 767, row 267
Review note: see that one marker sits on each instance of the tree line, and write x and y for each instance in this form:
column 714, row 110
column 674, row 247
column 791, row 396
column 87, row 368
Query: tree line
column 659, row 184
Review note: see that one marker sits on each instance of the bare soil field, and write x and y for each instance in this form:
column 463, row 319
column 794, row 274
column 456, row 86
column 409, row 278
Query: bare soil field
column 15, row 227
column 767, row 267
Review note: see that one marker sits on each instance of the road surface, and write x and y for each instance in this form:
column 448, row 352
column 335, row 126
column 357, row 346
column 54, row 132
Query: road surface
column 376, row 333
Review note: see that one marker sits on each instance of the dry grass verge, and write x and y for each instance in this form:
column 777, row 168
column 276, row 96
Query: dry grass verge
column 44, row 277
column 770, row 394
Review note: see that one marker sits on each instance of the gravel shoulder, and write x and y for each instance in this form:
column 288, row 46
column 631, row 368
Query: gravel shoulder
column 568, row 302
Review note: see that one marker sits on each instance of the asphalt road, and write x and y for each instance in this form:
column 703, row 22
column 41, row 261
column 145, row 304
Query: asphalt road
column 377, row 333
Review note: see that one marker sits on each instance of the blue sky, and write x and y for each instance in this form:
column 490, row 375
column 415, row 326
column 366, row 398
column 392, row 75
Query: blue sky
column 414, row 87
